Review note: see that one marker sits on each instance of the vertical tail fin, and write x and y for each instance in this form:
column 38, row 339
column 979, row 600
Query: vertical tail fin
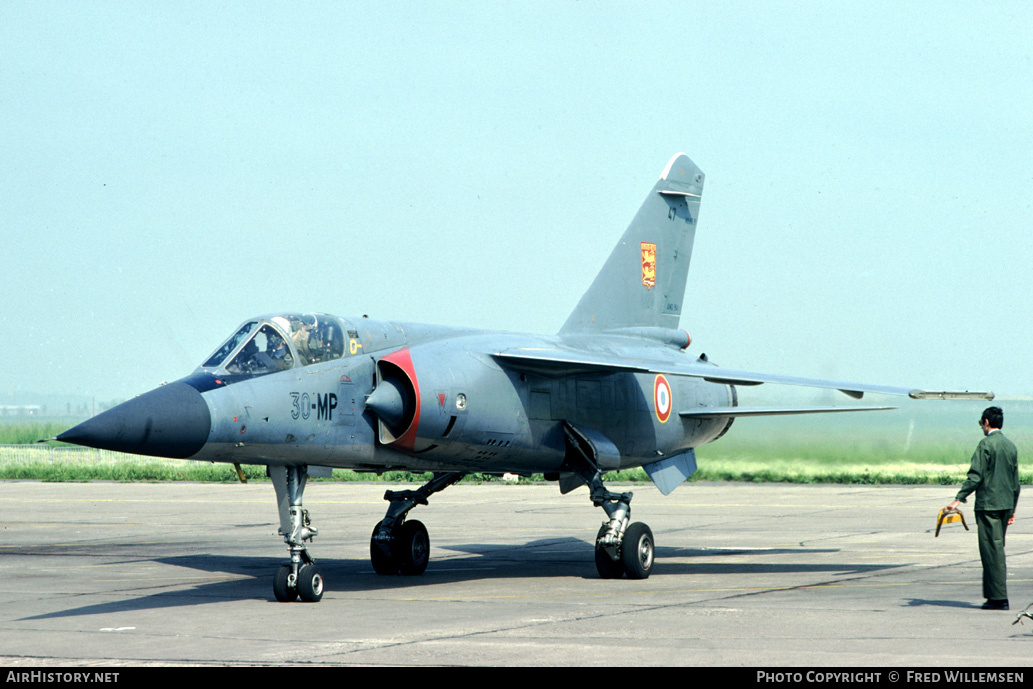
column 643, row 281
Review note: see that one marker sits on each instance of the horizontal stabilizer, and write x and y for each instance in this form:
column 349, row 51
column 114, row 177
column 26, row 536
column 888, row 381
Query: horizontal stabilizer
column 724, row 412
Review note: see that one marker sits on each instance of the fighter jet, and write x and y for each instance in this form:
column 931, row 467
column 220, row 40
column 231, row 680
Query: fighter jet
column 306, row 393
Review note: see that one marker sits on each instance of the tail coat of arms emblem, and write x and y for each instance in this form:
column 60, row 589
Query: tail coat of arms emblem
column 648, row 264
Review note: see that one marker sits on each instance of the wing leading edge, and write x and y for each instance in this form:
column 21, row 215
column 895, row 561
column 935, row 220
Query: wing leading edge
column 559, row 362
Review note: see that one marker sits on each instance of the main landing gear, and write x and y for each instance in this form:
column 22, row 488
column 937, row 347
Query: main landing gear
column 301, row 578
column 620, row 548
column 400, row 546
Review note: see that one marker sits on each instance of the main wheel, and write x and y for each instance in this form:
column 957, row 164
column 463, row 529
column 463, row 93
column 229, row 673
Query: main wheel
column 383, row 560
column 281, row 589
column 607, row 567
column 310, row 584
column 412, row 546
column 637, row 551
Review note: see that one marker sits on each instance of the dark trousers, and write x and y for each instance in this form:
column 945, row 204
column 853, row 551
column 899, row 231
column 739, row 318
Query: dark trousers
column 992, row 526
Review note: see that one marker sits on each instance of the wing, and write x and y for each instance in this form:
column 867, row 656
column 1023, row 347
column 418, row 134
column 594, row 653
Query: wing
column 724, row 412
column 559, row 362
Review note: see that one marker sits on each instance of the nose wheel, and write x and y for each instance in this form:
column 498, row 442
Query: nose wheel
column 310, row 584
column 307, row 584
column 284, row 589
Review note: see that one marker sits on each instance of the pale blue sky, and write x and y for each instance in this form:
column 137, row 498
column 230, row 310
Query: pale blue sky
column 171, row 169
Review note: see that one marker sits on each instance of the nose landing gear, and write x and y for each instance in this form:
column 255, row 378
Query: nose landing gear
column 301, row 578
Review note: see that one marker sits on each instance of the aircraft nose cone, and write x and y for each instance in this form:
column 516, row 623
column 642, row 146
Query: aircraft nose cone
column 170, row 421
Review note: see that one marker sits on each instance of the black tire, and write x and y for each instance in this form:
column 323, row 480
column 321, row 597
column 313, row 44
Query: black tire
column 383, row 560
column 637, row 551
column 283, row 592
column 310, row 584
column 607, row 567
column 412, row 547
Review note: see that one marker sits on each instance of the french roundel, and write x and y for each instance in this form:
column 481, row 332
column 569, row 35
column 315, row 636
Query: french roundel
column 662, row 398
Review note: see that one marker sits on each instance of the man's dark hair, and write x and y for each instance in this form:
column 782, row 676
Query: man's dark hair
column 994, row 416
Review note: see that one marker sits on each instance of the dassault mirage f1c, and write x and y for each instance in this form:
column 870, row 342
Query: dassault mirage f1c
column 306, row 393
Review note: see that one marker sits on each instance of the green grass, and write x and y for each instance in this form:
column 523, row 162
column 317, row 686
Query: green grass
column 72, row 472
column 908, row 450
column 24, row 433
column 753, row 471
column 747, row 470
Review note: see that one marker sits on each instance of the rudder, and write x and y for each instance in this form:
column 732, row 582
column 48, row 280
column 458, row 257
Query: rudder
column 643, row 281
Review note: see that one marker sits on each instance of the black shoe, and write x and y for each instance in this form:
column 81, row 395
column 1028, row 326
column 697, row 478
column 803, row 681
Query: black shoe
column 996, row 604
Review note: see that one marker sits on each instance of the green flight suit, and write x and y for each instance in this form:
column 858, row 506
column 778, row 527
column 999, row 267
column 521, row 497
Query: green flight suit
column 994, row 476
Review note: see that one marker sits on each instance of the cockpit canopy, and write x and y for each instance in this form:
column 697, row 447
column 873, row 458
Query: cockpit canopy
column 277, row 343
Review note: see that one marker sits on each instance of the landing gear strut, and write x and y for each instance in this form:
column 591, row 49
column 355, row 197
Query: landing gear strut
column 301, row 577
column 620, row 548
column 403, row 546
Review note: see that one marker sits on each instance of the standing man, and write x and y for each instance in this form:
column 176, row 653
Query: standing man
column 994, row 476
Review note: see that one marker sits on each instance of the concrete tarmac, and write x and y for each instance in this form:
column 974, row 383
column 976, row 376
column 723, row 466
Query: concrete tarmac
column 746, row 574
